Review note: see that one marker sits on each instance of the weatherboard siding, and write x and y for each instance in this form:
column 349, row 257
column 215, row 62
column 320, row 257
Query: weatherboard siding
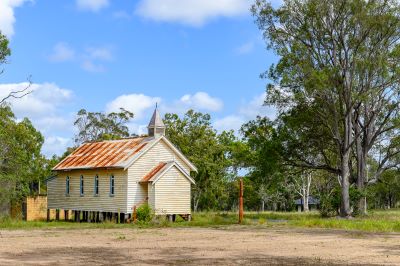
column 172, row 193
column 150, row 190
column 160, row 152
column 57, row 198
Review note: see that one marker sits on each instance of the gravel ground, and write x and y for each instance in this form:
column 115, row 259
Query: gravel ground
column 193, row 246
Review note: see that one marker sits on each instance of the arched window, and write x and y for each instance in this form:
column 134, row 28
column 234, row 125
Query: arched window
column 112, row 186
column 96, row 185
column 82, row 190
column 67, row 186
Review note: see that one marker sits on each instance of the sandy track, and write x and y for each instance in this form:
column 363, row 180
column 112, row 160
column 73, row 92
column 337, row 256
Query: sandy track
column 230, row 245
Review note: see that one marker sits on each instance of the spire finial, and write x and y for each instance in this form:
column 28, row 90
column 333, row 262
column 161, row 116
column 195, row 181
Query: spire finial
column 156, row 126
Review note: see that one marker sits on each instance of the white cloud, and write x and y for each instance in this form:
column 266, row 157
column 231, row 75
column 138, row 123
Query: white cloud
column 7, row 17
column 229, row 122
column 62, row 52
column 245, row 48
column 92, row 5
column 139, row 104
column 56, row 145
column 248, row 111
column 191, row 12
column 201, row 101
column 142, row 106
column 43, row 100
column 55, row 123
column 44, row 107
column 137, row 128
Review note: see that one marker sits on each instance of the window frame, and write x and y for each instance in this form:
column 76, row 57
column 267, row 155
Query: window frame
column 112, row 186
column 67, row 185
column 82, row 186
column 96, row 190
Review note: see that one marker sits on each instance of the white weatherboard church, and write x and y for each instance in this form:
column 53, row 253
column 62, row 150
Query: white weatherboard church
column 102, row 179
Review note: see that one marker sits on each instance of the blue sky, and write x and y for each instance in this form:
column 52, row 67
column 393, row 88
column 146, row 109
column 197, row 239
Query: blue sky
column 104, row 54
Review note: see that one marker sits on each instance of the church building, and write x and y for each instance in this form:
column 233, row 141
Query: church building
column 104, row 179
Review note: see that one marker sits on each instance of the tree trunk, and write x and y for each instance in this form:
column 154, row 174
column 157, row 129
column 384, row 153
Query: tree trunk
column 345, row 174
column 361, row 178
column 195, row 203
column 345, row 210
column 305, row 203
column 262, row 205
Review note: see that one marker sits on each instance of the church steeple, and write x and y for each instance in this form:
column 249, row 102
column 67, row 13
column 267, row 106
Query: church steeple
column 156, row 127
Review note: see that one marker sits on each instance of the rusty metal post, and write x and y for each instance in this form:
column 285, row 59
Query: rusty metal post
column 240, row 200
column 134, row 214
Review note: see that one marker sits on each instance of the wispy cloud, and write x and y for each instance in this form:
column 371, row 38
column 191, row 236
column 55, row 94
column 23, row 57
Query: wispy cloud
column 92, row 5
column 245, row 48
column 91, row 59
column 90, row 66
column 191, row 12
column 121, row 14
column 62, row 52
column 99, row 53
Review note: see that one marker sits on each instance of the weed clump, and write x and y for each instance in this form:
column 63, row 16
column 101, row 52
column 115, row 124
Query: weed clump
column 145, row 213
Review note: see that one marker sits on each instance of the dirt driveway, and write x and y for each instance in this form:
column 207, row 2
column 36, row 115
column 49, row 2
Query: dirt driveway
column 194, row 246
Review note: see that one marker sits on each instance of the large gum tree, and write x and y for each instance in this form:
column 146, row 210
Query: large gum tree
column 341, row 59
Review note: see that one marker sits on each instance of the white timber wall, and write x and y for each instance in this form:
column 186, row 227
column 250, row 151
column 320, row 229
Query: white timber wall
column 57, row 198
column 172, row 193
column 160, row 152
column 151, row 195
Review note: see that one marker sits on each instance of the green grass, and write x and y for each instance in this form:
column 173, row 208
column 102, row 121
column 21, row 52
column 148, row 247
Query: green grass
column 375, row 221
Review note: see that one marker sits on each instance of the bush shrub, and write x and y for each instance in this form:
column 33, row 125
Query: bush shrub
column 144, row 213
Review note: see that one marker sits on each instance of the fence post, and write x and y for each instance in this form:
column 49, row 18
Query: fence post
column 240, row 200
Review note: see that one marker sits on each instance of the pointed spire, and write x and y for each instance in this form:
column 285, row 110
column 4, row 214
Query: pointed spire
column 156, row 126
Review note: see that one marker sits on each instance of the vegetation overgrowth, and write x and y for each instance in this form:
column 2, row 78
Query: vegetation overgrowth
column 378, row 221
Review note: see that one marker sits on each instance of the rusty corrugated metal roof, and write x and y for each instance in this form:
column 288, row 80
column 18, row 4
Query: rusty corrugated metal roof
column 104, row 154
column 153, row 172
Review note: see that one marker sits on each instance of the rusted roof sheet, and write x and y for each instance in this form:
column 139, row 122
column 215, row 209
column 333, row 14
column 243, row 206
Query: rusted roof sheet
column 153, row 172
column 104, row 154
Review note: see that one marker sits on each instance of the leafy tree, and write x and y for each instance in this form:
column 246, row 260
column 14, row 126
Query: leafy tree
column 339, row 58
column 21, row 161
column 263, row 159
column 96, row 126
column 194, row 135
column 4, row 49
column 386, row 192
